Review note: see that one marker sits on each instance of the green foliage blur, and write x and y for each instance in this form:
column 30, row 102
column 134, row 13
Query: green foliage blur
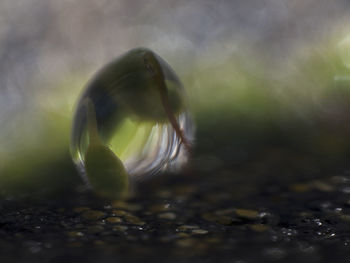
column 241, row 111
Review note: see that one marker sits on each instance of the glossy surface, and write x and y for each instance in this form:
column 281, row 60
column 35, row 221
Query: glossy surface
column 135, row 109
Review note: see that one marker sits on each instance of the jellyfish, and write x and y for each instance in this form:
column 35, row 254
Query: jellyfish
column 130, row 122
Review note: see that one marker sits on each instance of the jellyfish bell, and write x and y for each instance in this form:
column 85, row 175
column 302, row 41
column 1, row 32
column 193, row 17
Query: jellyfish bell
column 140, row 113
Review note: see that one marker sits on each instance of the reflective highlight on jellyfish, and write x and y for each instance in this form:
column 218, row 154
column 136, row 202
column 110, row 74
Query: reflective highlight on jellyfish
column 131, row 121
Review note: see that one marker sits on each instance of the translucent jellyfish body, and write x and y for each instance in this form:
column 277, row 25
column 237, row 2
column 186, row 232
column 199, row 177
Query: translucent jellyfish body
column 131, row 121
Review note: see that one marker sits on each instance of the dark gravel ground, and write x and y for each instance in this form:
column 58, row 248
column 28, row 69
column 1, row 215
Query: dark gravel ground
column 272, row 209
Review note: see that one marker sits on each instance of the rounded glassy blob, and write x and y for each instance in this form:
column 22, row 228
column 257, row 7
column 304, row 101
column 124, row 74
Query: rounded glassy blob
column 130, row 121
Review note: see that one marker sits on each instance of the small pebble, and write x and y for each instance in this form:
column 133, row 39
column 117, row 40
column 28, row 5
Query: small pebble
column 134, row 220
column 119, row 204
column 131, row 238
column 246, row 213
column 274, row 253
column 338, row 210
column 120, row 228
column 164, row 194
column 170, row 216
column 114, row 219
column 95, row 229
column 120, row 213
column 93, row 214
column 306, row 214
column 259, row 227
column 75, row 234
column 75, row 244
column 80, row 209
column 201, row 246
column 226, row 211
column 127, row 206
column 322, row 186
column 346, row 190
column 199, row 231
column 213, row 240
column 345, row 218
column 300, row 188
column 99, row 242
column 184, row 189
column 183, row 235
column 160, row 208
column 223, row 220
column 79, row 226
column 188, row 242
column 187, row 227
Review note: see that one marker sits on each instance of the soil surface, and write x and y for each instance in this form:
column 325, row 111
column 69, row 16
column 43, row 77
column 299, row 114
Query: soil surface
column 268, row 210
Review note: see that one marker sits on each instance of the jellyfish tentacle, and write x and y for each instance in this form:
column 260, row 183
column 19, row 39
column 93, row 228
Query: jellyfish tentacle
column 156, row 71
column 105, row 170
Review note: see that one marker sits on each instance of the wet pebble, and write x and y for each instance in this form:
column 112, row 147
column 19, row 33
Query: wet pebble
column 75, row 244
column 223, row 220
column 134, row 220
column 259, row 227
column 185, row 243
column 169, row 216
column 120, row 228
column 120, row 213
column 183, row 235
column 322, row 186
column 126, row 206
column 99, row 243
column 274, row 253
column 80, row 209
column 226, row 211
column 75, row 234
column 93, row 214
column 247, row 213
column 346, row 190
column 164, row 194
column 95, row 229
column 300, row 188
column 113, row 219
column 345, row 218
column 187, row 227
column 160, row 207
column 199, row 231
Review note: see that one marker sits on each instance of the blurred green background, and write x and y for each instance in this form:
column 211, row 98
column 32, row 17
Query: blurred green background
column 265, row 79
